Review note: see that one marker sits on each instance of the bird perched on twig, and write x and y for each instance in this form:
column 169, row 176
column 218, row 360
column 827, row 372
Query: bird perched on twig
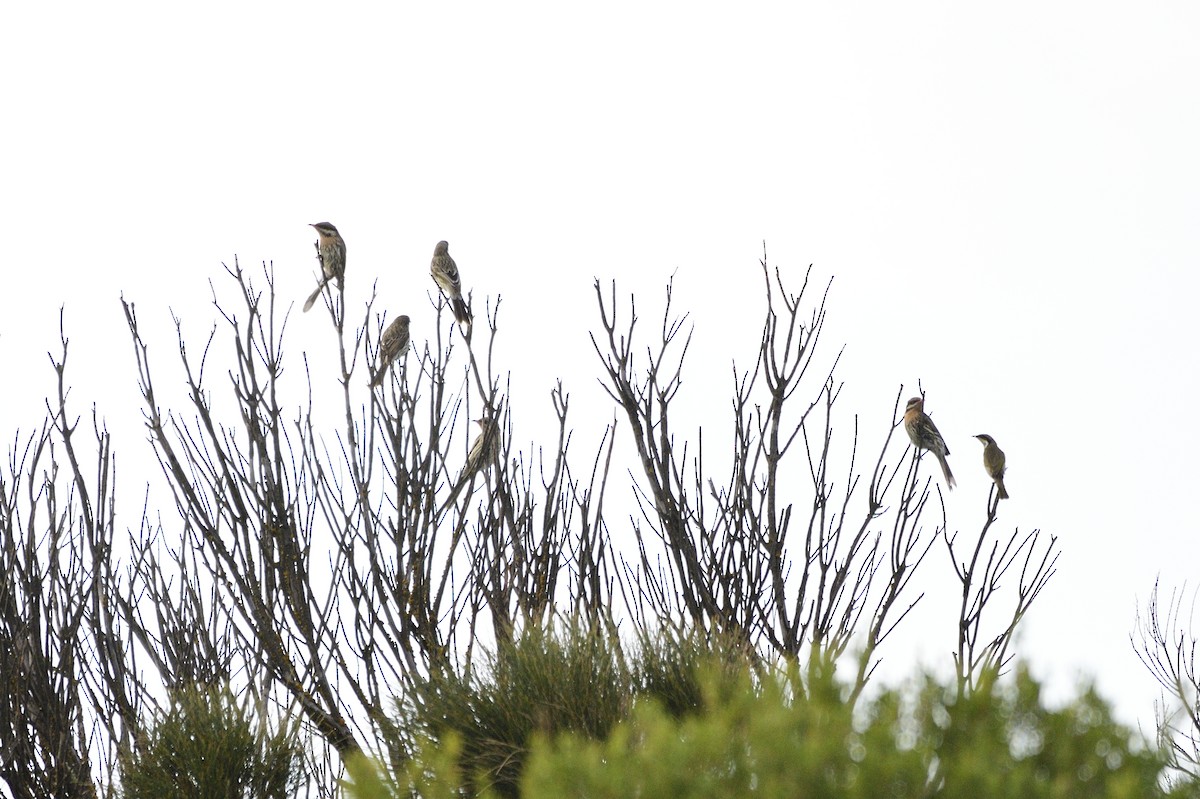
column 483, row 454
column 924, row 435
column 993, row 462
column 331, row 252
column 445, row 274
column 391, row 345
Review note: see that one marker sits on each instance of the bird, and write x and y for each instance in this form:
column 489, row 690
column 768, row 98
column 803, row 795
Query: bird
column 924, row 435
column 331, row 252
column 445, row 273
column 393, row 343
column 483, row 454
column 993, row 462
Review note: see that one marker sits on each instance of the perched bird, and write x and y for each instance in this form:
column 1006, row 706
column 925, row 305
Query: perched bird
column 924, row 435
column 393, row 343
column 445, row 274
column 483, row 454
column 485, row 449
column 993, row 462
column 331, row 252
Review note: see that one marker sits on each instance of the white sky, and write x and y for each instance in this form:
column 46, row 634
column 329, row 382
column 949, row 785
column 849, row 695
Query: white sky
column 1006, row 197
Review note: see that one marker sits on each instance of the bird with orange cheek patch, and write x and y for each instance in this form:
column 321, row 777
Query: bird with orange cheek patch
column 924, row 435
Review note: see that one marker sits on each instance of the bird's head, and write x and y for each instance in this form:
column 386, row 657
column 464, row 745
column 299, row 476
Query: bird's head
column 485, row 420
column 403, row 319
column 324, row 229
column 915, row 402
column 985, row 439
column 442, row 248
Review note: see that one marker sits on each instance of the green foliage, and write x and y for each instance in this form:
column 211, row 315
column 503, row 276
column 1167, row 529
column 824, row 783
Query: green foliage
column 669, row 668
column 542, row 682
column 432, row 774
column 208, row 746
column 751, row 741
column 562, row 715
column 760, row 741
column 1003, row 741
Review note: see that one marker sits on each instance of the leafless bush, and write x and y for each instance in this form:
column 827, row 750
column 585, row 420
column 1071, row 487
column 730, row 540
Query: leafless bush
column 1163, row 640
column 324, row 561
column 981, row 577
column 803, row 566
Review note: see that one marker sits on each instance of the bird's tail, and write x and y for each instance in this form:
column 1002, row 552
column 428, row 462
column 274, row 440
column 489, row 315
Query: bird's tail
column 316, row 293
column 1000, row 486
column 462, row 314
column 458, row 487
column 945, row 469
